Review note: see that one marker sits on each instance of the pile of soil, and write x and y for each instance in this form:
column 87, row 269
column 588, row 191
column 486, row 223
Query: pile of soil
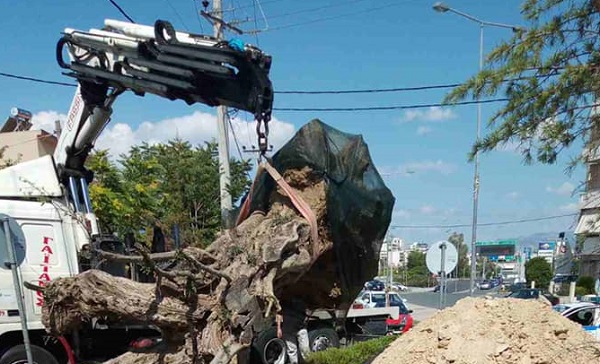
column 501, row 331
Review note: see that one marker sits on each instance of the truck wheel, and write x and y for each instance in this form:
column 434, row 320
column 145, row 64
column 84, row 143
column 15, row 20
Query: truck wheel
column 322, row 339
column 269, row 348
column 18, row 355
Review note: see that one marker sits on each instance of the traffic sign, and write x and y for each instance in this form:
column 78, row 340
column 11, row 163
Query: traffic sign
column 17, row 238
column 433, row 257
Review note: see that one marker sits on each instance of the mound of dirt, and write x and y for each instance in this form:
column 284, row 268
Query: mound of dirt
column 500, row 331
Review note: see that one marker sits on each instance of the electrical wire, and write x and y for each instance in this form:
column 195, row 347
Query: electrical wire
column 178, row 15
column 300, row 109
column 198, row 16
column 384, row 108
column 295, row 92
column 39, row 80
column 255, row 22
column 318, row 20
column 311, row 10
column 249, row 6
column 235, row 138
column 121, row 10
column 509, row 222
column 367, row 91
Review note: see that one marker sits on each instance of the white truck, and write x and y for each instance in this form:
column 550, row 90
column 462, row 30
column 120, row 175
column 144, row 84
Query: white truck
column 46, row 216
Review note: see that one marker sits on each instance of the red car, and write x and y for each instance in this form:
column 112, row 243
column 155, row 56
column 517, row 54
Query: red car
column 403, row 323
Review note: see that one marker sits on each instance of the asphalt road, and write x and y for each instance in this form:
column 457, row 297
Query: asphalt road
column 456, row 291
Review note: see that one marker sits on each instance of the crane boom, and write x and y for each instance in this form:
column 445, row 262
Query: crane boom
column 158, row 60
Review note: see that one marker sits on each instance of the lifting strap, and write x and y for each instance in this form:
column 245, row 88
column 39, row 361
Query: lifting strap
column 297, row 201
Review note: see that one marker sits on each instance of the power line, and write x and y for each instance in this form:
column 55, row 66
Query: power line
column 335, row 5
column 121, row 11
column 509, row 222
column 235, row 138
column 249, row 6
column 302, row 109
column 383, row 108
column 366, row 91
column 39, row 80
column 178, row 15
column 255, row 22
column 318, row 20
column 395, row 89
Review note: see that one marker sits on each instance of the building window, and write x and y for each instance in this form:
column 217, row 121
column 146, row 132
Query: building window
column 593, row 177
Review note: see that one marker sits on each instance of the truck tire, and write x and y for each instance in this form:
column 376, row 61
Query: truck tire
column 18, row 355
column 322, row 339
column 268, row 347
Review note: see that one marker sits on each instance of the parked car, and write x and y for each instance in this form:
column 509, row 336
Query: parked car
column 518, row 286
column 586, row 314
column 371, row 299
column 374, row 285
column 533, row 293
column 377, row 299
column 398, row 287
column 485, row 284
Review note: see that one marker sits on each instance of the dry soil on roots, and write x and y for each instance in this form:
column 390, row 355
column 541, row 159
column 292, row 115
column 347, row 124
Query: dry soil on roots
column 499, row 331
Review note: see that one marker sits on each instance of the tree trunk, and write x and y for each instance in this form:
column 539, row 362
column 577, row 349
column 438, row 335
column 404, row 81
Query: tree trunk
column 210, row 305
column 212, row 298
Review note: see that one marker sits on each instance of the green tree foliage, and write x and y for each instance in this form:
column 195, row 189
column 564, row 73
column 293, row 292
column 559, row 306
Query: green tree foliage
column 415, row 259
column 106, row 192
column 586, row 285
column 548, row 73
column 417, row 272
column 462, row 266
column 539, row 270
column 163, row 185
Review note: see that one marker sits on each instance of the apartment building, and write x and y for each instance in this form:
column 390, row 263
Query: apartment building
column 588, row 226
column 18, row 143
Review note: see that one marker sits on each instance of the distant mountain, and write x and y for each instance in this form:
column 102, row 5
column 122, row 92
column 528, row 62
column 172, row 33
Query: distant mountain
column 533, row 239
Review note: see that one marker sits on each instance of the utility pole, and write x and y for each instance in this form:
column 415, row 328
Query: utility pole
column 224, row 172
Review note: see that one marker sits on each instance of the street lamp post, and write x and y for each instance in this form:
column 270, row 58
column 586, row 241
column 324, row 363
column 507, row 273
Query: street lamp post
column 442, row 8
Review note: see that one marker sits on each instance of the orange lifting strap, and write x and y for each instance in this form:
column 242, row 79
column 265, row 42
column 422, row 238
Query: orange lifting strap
column 297, row 201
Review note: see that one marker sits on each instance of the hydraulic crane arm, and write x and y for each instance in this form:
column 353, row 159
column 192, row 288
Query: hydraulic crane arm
column 157, row 60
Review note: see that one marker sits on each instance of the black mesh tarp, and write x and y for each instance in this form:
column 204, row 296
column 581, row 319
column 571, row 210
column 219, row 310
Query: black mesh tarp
column 359, row 205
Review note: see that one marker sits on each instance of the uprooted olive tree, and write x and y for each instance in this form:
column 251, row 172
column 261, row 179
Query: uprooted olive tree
column 211, row 303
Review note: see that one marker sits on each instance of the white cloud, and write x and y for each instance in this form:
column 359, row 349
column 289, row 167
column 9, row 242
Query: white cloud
column 566, row 189
column 427, row 210
column 195, row 128
column 570, row 207
column 512, row 195
column 422, row 130
column 45, row 120
column 434, row 113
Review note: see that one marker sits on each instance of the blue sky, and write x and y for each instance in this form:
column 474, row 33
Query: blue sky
column 403, row 44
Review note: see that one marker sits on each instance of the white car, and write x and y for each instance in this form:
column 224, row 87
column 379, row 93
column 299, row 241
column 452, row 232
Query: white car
column 398, row 287
column 587, row 314
column 370, row 299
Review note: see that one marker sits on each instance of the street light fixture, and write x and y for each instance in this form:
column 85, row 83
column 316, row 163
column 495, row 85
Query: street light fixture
column 440, row 7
